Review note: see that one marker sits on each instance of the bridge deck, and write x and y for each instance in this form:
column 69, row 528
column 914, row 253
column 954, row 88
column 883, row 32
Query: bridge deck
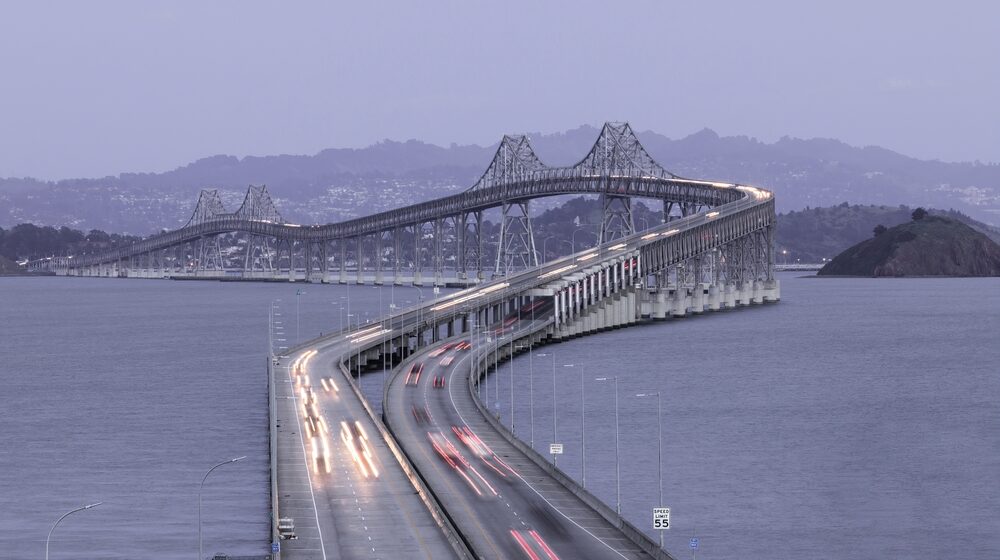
column 492, row 505
column 343, row 513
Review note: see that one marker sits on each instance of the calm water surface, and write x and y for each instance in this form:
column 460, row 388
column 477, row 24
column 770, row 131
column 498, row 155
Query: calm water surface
column 857, row 418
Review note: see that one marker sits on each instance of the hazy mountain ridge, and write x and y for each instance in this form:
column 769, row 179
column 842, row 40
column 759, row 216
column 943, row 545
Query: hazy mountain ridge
column 340, row 183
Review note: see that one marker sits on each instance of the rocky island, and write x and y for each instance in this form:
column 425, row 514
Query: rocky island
column 927, row 246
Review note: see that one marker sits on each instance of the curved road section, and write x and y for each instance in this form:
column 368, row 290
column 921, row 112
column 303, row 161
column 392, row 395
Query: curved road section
column 339, row 484
column 504, row 504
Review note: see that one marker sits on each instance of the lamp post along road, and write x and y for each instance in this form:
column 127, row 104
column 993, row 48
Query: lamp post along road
column 201, row 556
column 659, row 448
column 555, row 431
column 618, row 472
column 583, row 430
column 64, row 516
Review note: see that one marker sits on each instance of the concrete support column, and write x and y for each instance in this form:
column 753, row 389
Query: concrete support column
column 698, row 299
column 714, row 297
column 772, row 290
column 679, row 304
column 659, row 307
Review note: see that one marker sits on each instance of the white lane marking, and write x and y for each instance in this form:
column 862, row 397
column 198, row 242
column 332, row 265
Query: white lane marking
column 298, row 422
column 526, row 483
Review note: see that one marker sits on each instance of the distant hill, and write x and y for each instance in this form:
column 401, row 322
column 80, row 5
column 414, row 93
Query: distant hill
column 813, row 235
column 9, row 267
column 338, row 184
column 932, row 246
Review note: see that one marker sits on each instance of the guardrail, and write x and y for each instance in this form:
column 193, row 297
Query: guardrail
column 633, row 533
column 444, row 522
column 272, row 421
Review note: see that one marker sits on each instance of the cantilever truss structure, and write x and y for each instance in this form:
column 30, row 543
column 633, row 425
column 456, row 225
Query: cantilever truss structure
column 444, row 240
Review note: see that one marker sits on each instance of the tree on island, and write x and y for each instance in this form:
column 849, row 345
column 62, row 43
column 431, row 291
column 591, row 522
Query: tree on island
column 919, row 214
column 879, row 230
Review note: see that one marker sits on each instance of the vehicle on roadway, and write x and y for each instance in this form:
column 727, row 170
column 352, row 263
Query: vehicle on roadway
column 413, row 374
column 356, row 440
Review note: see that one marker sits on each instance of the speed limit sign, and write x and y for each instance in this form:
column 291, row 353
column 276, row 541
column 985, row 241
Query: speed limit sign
column 661, row 518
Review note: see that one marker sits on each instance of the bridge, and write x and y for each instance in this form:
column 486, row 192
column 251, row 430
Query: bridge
column 443, row 241
column 452, row 479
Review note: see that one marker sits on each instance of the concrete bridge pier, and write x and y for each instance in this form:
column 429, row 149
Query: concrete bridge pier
column 657, row 303
column 729, row 296
column 772, row 290
column 679, row 302
column 697, row 299
column 714, row 297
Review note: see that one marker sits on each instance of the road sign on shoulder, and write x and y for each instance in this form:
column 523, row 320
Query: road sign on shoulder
column 437, row 290
column 555, row 448
column 694, row 543
column 276, row 547
column 661, row 518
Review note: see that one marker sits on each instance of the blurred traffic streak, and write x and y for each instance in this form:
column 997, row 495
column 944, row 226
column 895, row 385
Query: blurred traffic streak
column 460, row 464
column 532, row 544
column 413, row 374
column 481, row 450
column 320, row 447
column 356, row 440
column 444, row 348
column 420, row 414
column 329, row 385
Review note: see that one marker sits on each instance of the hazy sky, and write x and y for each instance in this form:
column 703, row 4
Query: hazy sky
column 96, row 88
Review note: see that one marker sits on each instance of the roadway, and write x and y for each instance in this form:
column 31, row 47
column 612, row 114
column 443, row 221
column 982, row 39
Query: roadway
column 502, row 502
column 337, row 478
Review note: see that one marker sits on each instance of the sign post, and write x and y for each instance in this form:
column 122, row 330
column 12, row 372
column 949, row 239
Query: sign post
column 661, row 518
column 694, row 547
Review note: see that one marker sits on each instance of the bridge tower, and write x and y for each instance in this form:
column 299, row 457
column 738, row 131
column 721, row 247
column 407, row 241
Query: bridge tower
column 260, row 256
column 618, row 152
column 517, row 241
column 513, row 166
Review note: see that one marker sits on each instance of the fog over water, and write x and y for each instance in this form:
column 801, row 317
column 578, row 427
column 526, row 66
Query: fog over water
column 856, row 418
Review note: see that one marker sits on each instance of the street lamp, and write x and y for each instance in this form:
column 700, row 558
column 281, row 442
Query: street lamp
column 554, row 415
column 578, row 230
column 298, row 338
column 618, row 472
column 420, row 309
column 659, row 447
column 64, row 516
column 202, row 486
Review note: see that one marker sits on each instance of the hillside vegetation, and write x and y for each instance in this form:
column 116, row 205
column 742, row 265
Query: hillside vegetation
column 925, row 246
column 813, row 235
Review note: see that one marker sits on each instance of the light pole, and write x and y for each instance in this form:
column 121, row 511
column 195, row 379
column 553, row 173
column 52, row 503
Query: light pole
column 544, row 252
column 64, row 516
column 618, row 472
column 511, row 360
column 578, row 230
column 583, row 429
column 531, row 392
column 202, row 486
column 297, row 337
column 554, row 416
column 420, row 309
column 659, row 447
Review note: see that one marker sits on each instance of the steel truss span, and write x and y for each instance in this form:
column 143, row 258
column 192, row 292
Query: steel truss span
column 443, row 241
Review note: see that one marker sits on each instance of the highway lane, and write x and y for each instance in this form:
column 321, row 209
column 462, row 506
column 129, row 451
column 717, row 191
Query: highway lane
column 505, row 505
column 337, row 478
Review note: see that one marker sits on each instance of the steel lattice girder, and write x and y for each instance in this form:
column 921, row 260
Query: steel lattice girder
column 617, row 165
